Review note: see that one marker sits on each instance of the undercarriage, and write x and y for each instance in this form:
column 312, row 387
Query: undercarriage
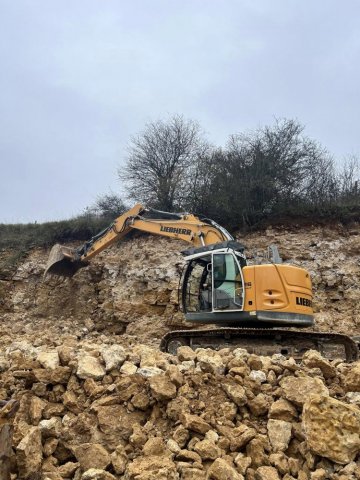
column 290, row 343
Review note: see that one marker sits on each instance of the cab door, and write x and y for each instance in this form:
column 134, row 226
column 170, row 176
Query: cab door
column 227, row 282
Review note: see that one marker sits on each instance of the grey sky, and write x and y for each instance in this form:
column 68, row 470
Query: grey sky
column 78, row 78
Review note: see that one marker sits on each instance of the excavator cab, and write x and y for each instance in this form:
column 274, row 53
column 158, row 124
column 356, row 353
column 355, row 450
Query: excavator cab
column 212, row 283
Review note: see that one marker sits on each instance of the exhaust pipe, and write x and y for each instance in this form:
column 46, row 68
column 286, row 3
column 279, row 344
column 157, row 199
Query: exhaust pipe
column 63, row 261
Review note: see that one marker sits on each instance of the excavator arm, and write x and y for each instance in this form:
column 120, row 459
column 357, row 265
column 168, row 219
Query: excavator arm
column 198, row 231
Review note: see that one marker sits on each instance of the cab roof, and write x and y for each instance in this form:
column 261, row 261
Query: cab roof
column 231, row 244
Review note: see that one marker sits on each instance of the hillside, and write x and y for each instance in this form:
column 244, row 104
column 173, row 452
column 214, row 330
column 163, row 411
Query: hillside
column 131, row 289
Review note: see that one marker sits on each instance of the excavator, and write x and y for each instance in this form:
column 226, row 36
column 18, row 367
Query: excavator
column 256, row 307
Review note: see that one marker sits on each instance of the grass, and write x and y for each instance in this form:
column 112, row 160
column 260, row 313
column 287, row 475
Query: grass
column 18, row 239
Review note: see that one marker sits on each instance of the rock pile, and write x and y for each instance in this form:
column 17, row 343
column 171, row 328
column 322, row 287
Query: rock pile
column 93, row 412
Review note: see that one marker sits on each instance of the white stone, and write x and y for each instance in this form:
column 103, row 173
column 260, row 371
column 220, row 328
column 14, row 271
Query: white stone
column 210, row 361
column 258, row 375
column 353, row 397
column 90, row 367
column 279, row 433
column 51, row 427
column 186, row 366
column 114, row 356
column 149, row 371
column 49, row 360
column 128, row 368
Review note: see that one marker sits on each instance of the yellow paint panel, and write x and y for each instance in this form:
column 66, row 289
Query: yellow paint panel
column 282, row 288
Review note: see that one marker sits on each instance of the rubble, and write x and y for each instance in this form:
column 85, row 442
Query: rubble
column 99, row 401
column 193, row 424
column 332, row 428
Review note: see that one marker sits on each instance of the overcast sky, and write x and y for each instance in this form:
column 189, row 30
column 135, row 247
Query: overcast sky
column 79, row 77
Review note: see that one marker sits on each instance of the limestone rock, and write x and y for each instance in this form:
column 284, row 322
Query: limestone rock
column 66, row 354
column 221, row 470
column 114, row 356
column 29, row 453
column 92, row 455
column 241, row 436
column 210, row 361
column 173, row 446
column 259, row 405
column 258, row 375
column 186, row 366
column 266, row 473
column 49, row 359
column 280, row 462
column 97, row 474
column 298, row 389
column 151, row 467
column 154, row 446
column 57, row 375
column 117, row 423
column 195, row 423
column 319, row 474
column 128, row 368
column 236, row 393
column 207, row 450
column 175, row 375
column 119, row 460
column 68, row 469
column 255, row 449
column 255, row 362
column 314, row 359
column 188, row 456
column 90, row 367
column 140, row 400
column 36, row 409
column 279, row 433
column 190, row 473
column 185, row 353
column 282, row 409
column 162, row 388
column 352, row 379
column 150, row 357
column 51, row 475
column 70, row 402
column 181, row 436
column 51, row 427
column 353, row 397
column 212, row 436
column 149, row 371
column 242, row 463
column 332, row 428
column 50, row 445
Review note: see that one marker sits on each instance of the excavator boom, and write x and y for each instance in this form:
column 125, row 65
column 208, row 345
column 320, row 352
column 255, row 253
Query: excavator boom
column 199, row 231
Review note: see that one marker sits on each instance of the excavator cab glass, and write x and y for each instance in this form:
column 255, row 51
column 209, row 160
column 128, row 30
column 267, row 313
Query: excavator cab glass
column 213, row 282
column 227, row 283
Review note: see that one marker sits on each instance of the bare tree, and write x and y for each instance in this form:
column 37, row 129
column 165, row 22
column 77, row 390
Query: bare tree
column 272, row 170
column 349, row 178
column 160, row 162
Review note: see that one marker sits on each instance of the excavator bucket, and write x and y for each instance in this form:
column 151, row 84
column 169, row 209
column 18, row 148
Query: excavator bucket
column 62, row 261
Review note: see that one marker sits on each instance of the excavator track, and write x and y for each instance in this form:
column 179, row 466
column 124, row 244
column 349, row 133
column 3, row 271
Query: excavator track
column 290, row 343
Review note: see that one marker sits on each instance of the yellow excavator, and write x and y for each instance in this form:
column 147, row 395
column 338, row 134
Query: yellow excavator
column 250, row 304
